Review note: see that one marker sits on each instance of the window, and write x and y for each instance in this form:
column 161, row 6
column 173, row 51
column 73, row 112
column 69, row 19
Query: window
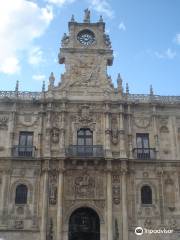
column 146, row 195
column 26, row 139
column 85, row 142
column 142, row 141
column 21, row 194
column 25, row 144
column 84, row 137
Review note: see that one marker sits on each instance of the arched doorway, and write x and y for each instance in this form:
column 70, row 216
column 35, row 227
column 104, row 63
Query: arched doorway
column 84, row 224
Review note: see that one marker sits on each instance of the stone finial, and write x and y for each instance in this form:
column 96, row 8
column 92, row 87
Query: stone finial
column 43, row 86
column 87, row 15
column 17, row 86
column 51, row 79
column 119, row 83
column 101, row 19
column 127, row 88
column 151, row 90
column 72, row 18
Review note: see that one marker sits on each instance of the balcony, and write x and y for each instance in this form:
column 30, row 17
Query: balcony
column 24, row 151
column 144, row 153
column 85, row 151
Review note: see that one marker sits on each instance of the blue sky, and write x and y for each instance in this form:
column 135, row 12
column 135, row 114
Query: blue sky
column 145, row 36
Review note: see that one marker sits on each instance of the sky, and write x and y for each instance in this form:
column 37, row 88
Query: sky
column 145, row 36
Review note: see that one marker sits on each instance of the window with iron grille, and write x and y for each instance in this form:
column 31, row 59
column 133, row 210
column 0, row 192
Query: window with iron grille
column 85, row 141
column 146, row 195
column 21, row 194
column 142, row 142
column 25, row 144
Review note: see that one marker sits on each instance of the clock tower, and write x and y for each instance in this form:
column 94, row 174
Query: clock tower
column 86, row 52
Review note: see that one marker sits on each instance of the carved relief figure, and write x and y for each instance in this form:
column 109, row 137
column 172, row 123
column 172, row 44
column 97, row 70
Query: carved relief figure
column 55, row 135
column 114, row 131
column 84, row 186
column 4, row 122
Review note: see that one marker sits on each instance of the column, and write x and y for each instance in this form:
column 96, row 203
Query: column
column 161, row 193
column 40, row 135
column 155, row 129
column 130, row 132
column 107, row 132
column 11, row 130
column 109, row 205
column 3, row 202
column 62, row 133
column 124, row 200
column 121, row 132
column 44, row 213
column 59, row 235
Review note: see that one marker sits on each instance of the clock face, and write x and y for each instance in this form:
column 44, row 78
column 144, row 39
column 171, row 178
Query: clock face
column 86, row 37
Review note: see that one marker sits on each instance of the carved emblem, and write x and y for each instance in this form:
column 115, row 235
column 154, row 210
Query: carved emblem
column 85, row 114
column 142, row 122
column 53, row 189
column 84, row 186
column 28, row 119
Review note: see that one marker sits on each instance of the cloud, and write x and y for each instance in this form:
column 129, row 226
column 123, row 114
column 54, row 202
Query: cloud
column 122, row 26
column 21, row 23
column 168, row 54
column 102, row 6
column 177, row 39
column 35, row 56
column 39, row 77
column 60, row 2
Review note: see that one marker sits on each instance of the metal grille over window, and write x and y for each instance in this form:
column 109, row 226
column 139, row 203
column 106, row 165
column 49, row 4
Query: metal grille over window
column 21, row 194
column 146, row 195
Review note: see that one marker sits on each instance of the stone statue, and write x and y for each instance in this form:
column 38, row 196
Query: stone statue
column 86, row 15
column 65, row 39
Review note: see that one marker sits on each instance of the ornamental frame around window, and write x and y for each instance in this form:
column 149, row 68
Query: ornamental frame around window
column 29, row 194
column 154, row 193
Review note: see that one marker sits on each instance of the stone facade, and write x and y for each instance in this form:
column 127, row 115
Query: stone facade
column 136, row 143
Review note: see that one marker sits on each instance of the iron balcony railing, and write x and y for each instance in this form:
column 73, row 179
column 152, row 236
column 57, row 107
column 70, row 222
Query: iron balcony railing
column 24, row 151
column 85, row 151
column 144, row 153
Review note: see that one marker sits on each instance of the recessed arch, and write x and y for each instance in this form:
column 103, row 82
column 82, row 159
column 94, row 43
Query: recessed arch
column 86, row 205
column 84, row 223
